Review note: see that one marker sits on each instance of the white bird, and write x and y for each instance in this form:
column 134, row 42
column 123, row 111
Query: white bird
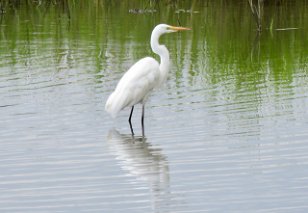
column 145, row 75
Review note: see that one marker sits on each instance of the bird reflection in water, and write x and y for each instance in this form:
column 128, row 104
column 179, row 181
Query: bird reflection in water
column 141, row 160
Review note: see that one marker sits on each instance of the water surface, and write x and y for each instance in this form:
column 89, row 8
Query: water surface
column 228, row 131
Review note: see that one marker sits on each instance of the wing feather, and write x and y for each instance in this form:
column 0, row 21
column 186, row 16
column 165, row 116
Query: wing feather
column 135, row 85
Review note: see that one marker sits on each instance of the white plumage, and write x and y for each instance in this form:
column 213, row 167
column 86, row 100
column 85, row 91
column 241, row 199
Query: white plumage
column 138, row 82
column 134, row 87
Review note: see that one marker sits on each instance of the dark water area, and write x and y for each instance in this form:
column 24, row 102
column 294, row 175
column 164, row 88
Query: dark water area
column 227, row 133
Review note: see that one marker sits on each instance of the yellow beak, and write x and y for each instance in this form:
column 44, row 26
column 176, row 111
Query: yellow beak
column 179, row 28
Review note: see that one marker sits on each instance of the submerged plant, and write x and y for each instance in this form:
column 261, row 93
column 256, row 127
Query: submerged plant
column 257, row 12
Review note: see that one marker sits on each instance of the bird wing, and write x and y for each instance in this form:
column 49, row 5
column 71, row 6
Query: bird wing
column 134, row 86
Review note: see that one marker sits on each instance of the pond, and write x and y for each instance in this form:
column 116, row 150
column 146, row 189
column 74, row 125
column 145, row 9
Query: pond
column 227, row 132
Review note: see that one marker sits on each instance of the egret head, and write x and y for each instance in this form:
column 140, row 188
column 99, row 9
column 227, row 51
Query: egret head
column 157, row 32
column 165, row 28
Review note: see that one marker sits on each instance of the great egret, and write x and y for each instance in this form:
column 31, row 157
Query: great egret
column 145, row 75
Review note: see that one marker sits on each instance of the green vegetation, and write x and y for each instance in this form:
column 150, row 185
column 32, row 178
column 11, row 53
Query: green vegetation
column 224, row 44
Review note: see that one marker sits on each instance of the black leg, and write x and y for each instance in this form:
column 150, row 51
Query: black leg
column 142, row 120
column 130, row 120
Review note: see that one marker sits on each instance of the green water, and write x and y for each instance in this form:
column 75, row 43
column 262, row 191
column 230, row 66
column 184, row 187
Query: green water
column 228, row 131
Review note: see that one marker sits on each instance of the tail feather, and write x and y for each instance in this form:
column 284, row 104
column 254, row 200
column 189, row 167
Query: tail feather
column 110, row 107
column 115, row 103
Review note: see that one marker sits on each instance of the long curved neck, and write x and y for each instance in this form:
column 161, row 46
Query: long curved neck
column 163, row 52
